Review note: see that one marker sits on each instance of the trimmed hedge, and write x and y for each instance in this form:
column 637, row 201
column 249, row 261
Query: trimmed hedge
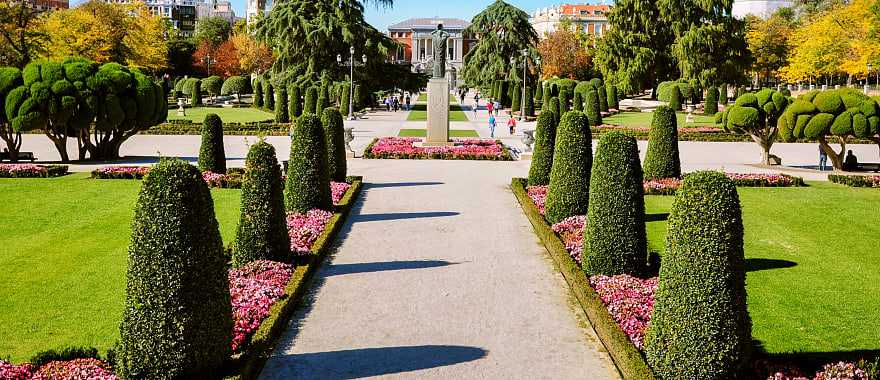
column 542, row 158
column 308, row 181
column 281, row 111
column 187, row 127
column 612, row 96
column 627, row 358
column 530, row 103
column 700, row 327
column 258, row 93
column 177, row 321
column 722, row 92
column 311, row 101
column 615, row 242
column 554, row 106
column 269, row 101
column 662, row 158
column 711, row 107
column 564, row 101
column 578, row 102
column 334, row 132
column 516, row 97
column 675, row 97
column 591, row 107
column 212, row 154
column 855, row 180
column 294, row 105
column 196, row 93
column 603, row 99
column 569, row 192
column 545, row 99
column 262, row 227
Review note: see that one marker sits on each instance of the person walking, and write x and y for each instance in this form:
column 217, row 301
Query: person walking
column 407, row 101
column 823, row 159
column 491, row 125
column 490, row 105
column 497, row 107
column 396, row 104
column 511, row 124
column 461, row 97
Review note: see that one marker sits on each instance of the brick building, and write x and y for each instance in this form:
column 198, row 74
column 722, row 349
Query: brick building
column 590, row 18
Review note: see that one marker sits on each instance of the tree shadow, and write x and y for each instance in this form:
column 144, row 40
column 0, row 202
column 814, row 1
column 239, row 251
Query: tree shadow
column 366, row 362
column 810, row 362
column 343, row 269
column 755, row 265
column 656, row 217
column 361, row 218
column 369, row 186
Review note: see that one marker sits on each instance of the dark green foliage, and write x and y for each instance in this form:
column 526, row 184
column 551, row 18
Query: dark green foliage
column 530, row 103
column 196, row 92
column 612, row 96
column 578, row 102
column 281, row 106
column 545, row 99
column 615, row 241
column 308, row 180
column 294, row 107
column 711, row 106
column 700, row 327
column 269, row 98
column 334, row 131
column 722, row 94
column 675, row 98
column 504, row 98
column 258, row 93
column 64, row 354
column 569, row 192
column 603, row 99
column 311, row 102
column 323, row 100
column 696, row 93
column 591, row 107
column 238, row 85
column 542, row 158
column 539, row 92
column 564, row 101
column 516, row 96
column 554, row 106
column 177, row 321
column 212, row 85
column 662, row 157
column 212, row 155
column 262, row 228
column 358, row 97
column 345, row 98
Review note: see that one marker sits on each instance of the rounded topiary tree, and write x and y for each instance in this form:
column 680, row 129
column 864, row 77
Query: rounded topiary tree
column 542, row 158
column 700, row 327
column 578, row 102
column 269, row 98
column 308, row 181
column 177, row 321
column 212, row 86
column 675, row 97
column 10, row 79
column 334, row 130
column 262, row 228
column 281, row 111
column 662, row 158
column 569, row 192
column 258, row 94
column 711, row 106
column 294, row 107
column 611, row 92
column 311, row 101
column 212, row 155
column 615, row 241
column 591, row 107
column 238, row 86
column 196, row 93
column 757, row 115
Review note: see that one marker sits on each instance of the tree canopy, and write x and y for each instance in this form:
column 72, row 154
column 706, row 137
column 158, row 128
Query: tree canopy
column 504, row 31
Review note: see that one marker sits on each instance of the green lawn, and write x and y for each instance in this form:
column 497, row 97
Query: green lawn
column 63, row 251
column 819, row 290
column 420, row 113
column 228, row 115
column 452, row 133
column 643, row 119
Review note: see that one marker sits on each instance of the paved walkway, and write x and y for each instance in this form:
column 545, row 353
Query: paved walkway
column 439, row 275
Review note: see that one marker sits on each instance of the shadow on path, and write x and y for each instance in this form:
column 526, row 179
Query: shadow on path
column 369, row 186
column 366, row 362
column 755, row 265
column 343, row 269
column 401, row 215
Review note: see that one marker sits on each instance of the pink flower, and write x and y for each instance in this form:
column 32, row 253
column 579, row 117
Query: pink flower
column 305, row 229
column 630, row 301
column 15, row 372
column 662, row 186
column 841, row 371
column 571, row 230
column 338, row 190
column 538, row 195
column 402, row 147
column 254, row 289
column 77, row 369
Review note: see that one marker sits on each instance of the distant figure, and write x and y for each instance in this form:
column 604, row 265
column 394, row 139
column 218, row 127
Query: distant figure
column 461, row 97
column 395, row 103
column 388, row 103
column 511, row 124
column 491, row 125
column 823, row 159
column 407, row 101
column 851, row 162
column 490, row 105
column 497, row 107
column 476, row 102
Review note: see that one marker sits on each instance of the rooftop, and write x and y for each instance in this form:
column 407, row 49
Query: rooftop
column 430, row 23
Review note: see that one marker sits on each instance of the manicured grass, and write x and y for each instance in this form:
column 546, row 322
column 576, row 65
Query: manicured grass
column 452, row 133
column 813, row 283
column 228, row 115
column 63, row 254
column 643, row 119
column 420, row 113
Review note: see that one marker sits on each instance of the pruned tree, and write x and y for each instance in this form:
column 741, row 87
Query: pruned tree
column 757, row 115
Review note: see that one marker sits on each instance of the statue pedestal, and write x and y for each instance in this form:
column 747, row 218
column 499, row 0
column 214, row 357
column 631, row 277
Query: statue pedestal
column 438, row 113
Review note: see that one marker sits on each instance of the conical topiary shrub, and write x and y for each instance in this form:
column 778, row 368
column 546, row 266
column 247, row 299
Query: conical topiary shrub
column 308, row 181
column 311, row 102
column 539, row 92
column 662, row 158
column 262, row 228
column 611, row 92
column 269, row 101
column 516, row 98
column 212, row 155
column 722, row 94
column 542, row 158
column 530, row 103
column 281, row 111
column 345, row 99
column 196, row 93
column 258, row 93
column 591, row 107
column 616, row 242
column 578, row 102
column 323, row 100
column 711, row 107
column 545, row 99
column 675, row 98
column 564, row 100
column 569, row 192
column 177, row 321
column 603, row 99
column 334, row 131
column 295, row 105
column 700, row 327
column 554, row 106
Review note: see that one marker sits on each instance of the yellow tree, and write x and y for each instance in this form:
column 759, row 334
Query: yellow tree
column 146, row 40
column 253, row 56
column 565, row 54
column 768, row 43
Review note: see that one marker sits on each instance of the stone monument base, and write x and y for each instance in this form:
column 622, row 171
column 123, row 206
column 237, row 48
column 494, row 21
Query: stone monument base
column 425, row 144
column 438, row 113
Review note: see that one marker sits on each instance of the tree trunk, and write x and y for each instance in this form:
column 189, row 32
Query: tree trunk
column 836, row 158
column 13, row 143
column 60, row 145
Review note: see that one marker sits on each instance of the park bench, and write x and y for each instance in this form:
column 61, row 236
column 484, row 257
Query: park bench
column 869, row 167
column 5, row 156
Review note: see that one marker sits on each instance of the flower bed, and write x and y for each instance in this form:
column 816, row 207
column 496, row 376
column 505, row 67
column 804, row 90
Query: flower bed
column 231, row 180
column 855, row 180
column 31, row 171
column 538, row 194
column 337, row 190
column 464, row 149
column 668, row 186
column 305, row 229
column 630, row 301
column 76, row 369
column 571, row 230
column 609, row 127
column 663, row 186
column 254, row 289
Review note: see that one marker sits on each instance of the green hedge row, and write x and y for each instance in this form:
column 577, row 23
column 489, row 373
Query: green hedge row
column 855, row 180
column 628, row 359
column 186, row 127
column 46, row 171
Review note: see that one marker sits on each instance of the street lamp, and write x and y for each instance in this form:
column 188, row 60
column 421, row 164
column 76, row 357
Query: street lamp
column 351, row 65
column 522, row 111
column 208, row 61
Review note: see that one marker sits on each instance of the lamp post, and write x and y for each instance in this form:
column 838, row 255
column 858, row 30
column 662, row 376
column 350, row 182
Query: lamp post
column 208, row 61
column 523, row 100
column 351, row 65
column 868, row 78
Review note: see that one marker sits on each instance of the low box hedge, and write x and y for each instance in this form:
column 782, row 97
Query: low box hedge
column 249, row 363
column 32, row 171
column 855, row 180
column 629, row 360
column 188, row 127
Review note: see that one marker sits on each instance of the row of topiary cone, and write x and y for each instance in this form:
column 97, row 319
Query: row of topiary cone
column 700, row 326
column 177, row 321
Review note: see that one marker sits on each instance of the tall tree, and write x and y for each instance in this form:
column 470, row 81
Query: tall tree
column 768, row 43
column 253, row 56
column 634, row 54
column 504, row 31
column 21, row 34
column 565, row 54
column 213, row 30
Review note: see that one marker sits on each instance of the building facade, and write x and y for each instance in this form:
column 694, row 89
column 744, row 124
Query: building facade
column 216, row 8
column 257, row 8
column 46, row 5
column 760, row 8
column 417, row 45
column 590, row 18
column 181, row 13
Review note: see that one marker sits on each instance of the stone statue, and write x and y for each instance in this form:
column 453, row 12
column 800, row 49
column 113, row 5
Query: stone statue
column 440, row 40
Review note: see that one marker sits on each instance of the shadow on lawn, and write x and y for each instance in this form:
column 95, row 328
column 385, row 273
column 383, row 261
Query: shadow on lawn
column 811, row 362
column 656, row 217
column 755, row 265
column 343, row 269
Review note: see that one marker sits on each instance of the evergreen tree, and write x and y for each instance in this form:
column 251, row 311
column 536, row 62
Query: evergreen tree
column 711, row 107
column 334, row 131
column 308, row 178
column 295, row 106
column 281, row 115
column 269, row 101
column 504, row 32
column 542, row 158
column 662, row 157
column 212, row 155
column 569, row 192
column 258, row 93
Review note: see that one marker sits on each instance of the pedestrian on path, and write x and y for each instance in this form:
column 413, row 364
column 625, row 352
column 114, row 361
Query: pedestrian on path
column 511, row 124
column 497, row 107
column 407, row 101
column 491, row 125
column 490, row 105
column 823, row 159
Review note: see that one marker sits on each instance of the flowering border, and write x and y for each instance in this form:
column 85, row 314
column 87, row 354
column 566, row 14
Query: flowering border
column 856, row 180
column 250, row 362
column 668, row 186
column 504, row 156
column 629, row 360
column 32, row 171
column 231, row 180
